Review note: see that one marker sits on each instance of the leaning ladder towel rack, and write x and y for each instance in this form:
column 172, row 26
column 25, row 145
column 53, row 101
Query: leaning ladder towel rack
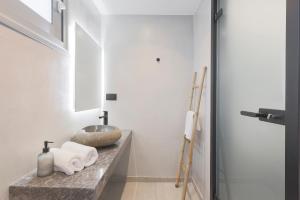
column 185, row 168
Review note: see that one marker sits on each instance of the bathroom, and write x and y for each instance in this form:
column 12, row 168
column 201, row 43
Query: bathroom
column 121, row 73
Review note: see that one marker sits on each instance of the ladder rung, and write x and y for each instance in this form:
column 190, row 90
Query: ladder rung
column 188, row 140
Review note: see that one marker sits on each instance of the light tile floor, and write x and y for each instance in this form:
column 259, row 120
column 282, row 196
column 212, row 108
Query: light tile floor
column 156, row 191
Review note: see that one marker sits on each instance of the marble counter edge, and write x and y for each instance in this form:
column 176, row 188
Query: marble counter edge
column 19, row 189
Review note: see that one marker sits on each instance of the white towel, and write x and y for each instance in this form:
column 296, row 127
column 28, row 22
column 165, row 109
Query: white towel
column 189, row 122
column 66, row 162
column 88, row 154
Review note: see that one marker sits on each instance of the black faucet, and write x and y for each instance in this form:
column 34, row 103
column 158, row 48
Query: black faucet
column 105, row 118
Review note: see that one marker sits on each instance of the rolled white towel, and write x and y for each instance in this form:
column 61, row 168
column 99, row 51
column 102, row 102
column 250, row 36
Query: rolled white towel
column 66, row 162
column 88, row 154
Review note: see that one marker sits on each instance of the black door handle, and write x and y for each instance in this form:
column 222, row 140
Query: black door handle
column 267, row 115
column 253, row 114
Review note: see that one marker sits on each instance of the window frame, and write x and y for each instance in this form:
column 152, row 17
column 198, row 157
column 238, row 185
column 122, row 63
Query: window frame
column 17, row 16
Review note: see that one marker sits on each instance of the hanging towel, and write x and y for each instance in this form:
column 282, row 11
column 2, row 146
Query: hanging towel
column 89, row 155
column 66, row 162
column 189, row 123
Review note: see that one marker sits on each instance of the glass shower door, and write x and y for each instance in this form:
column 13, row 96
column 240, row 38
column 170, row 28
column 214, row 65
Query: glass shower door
column 250, row 77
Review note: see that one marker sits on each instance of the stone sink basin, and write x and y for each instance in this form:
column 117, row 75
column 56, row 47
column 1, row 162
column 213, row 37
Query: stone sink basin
column 97, row 136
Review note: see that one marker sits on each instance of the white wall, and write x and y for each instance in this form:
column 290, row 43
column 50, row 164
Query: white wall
column 202, row 57
column 152, row 97
column 36, row 100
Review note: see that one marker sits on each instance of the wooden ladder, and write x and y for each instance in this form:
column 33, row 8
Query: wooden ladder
column 185, row 168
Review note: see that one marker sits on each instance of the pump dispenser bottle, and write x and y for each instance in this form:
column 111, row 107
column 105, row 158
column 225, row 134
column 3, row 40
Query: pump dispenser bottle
column 45, row 165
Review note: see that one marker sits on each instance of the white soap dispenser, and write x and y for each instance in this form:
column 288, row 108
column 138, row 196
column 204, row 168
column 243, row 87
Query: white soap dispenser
column 45, row 165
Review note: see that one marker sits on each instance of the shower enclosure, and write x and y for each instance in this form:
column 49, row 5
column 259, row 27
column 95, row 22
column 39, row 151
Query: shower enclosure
column 255, row 106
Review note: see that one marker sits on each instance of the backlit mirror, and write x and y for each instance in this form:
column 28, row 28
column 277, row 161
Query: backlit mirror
column 87, row 71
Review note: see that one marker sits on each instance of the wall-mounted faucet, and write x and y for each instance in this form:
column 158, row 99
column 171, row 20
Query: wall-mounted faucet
column 105, row 118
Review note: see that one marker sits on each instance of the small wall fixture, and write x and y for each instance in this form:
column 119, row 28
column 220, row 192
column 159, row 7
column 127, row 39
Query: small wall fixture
column 60, row 6
column 158, row 60
column 111, row 97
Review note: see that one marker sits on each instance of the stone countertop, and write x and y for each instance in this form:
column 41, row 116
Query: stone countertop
column 84, row 185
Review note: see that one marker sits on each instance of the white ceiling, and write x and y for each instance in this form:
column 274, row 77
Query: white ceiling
column 148, row 7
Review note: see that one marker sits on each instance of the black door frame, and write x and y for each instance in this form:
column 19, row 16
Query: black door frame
column 292, row 147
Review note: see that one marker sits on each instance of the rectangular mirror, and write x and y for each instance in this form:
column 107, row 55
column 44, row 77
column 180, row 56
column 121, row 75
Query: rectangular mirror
column 87, row 71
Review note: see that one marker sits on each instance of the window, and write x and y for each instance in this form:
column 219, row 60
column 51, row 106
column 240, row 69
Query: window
column 41, row 7
column 41, row 20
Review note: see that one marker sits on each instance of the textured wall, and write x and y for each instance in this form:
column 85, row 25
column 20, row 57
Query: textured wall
column 152, row 97
column 37, row 103
column 202, row 57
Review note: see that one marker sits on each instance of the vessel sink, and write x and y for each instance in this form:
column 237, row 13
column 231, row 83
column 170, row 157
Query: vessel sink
column 98, row 136
column 99, row 128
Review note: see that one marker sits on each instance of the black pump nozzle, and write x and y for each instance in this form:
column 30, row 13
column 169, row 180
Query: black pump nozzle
column 46, row 148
